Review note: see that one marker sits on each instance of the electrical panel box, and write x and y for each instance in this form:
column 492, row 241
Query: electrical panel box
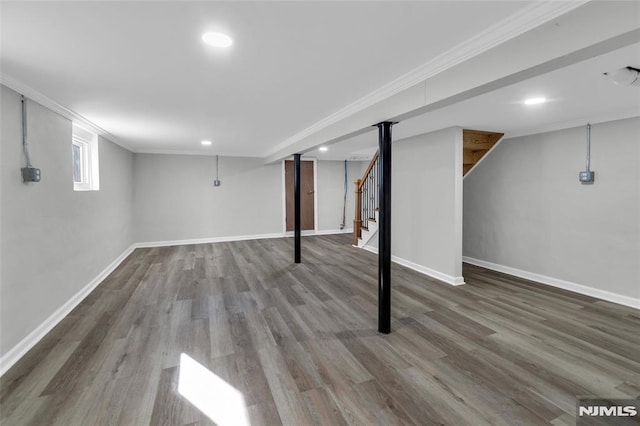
column 30, row 174
column 587, row 176
column 216, row 182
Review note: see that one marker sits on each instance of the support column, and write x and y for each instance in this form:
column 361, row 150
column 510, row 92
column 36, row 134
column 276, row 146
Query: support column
column 296, row 206
column 384, row 227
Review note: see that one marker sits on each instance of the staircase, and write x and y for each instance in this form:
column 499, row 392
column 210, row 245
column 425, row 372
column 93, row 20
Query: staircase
column 365, row 223
column 475, row 143
column 369, row 232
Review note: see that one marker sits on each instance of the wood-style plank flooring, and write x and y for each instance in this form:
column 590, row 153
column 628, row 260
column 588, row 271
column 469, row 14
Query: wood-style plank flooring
column 299, row 343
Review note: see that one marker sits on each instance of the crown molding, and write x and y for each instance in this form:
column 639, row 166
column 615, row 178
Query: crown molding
column 193, row 152
column 519, row 23
column 39, row 97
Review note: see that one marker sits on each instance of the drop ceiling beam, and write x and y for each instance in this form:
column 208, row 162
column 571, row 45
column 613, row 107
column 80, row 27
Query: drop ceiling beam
column 590, row 30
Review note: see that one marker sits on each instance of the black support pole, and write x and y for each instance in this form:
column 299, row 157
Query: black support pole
column 384, row 227
column 296, row 205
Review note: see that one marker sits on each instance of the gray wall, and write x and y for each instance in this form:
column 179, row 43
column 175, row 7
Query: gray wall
column 54, row 240
column 427, row 201
column 175, row 198
column 524, row 207
column 331, row 193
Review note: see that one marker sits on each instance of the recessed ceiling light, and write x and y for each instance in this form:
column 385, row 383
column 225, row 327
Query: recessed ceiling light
column 206, row 143
column 323, row 148
column 217, row 39
column 535, row 101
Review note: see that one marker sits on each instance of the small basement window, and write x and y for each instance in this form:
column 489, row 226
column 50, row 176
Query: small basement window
column 84, row 153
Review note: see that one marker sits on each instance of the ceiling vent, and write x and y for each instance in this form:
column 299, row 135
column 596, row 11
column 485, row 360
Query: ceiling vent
column 627, row 76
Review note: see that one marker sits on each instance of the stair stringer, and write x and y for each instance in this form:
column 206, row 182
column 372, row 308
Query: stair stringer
column 367, row 234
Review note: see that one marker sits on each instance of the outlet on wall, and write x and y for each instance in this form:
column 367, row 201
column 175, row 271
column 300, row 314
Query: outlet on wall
column 587, row 176
column 30, row 174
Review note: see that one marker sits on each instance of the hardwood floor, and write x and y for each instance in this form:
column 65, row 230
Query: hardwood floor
column 299, row 343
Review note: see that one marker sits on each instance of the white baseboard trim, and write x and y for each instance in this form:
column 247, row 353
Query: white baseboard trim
column 323, row 232
column 170, row 243
column 14, row 354
column 555, row 282
column 449, row 279
column 18, row 351
column 335, row 231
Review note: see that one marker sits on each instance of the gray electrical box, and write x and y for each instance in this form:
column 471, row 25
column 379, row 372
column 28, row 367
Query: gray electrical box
column 30, row 174
column 587, row 176
column 216, row 182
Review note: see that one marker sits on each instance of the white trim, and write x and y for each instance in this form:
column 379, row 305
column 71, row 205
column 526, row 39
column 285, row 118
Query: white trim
column 310, row 233
column 315, row 197
column 519, row 23
column 90, row 167
column 207, row 153
column 14, row 354
column 448, row 279
column 18, row 351
column 600, row 118
column 36, row 96
column 307, row 233
column 335, row 231
column 555, row 282
column 170, row 243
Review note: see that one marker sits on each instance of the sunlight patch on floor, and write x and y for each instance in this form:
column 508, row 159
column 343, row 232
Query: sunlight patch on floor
column 216, row 398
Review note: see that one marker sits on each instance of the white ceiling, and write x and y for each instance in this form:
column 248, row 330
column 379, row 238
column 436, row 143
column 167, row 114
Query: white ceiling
column 140, row 71
column 577, row 94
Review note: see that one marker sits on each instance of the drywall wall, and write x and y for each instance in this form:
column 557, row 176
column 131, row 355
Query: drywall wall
column 426, row 199
column 175, row 198
column 331, row 193
column 524, row 207
column 54, row 240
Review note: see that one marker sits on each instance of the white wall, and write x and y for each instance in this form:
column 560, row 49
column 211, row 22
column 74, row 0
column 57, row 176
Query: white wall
column 331, row 193
column 426, row 198
column 524, row 207
column 175, row 198
column 54, row 241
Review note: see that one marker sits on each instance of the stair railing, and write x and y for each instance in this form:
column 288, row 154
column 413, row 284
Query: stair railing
column 366, row 198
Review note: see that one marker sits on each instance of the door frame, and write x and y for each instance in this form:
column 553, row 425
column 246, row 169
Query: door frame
column 315, row 198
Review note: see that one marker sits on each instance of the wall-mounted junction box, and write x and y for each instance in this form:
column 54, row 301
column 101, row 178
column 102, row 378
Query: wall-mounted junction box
column 30, row 174
column 587, row 176
column 216, row 182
